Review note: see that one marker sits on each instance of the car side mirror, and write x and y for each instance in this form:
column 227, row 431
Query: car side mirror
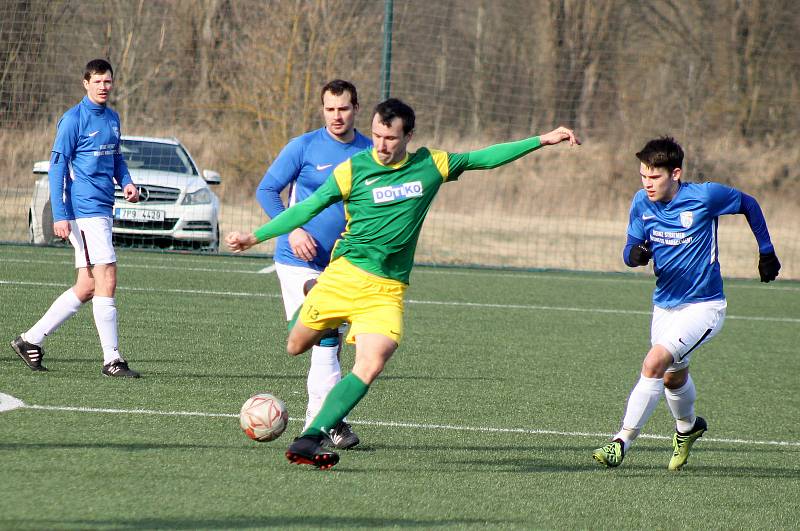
column 41, row 167
column 211, row 177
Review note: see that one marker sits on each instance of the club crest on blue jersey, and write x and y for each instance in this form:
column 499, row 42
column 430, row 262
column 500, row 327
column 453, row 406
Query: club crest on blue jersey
column 397, row 192
column 116, row 130
column 686, row 219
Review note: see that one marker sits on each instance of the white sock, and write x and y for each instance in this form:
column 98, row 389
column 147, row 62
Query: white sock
column 681, row 405
column 641, row 404
column 323, row 374
column 64, row 307
column 105, row 320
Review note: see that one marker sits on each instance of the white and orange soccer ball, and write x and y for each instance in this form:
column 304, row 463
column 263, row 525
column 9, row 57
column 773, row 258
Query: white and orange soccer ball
column 263, row 417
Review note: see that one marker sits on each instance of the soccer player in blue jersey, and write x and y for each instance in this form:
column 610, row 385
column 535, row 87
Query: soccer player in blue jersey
column 675, row 224
column 300, row 256
column 85, row 163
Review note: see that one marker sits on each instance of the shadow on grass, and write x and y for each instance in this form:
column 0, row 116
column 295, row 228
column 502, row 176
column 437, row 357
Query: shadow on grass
column 128, row 447
column 529, row 460
column 249, row 522
column 417, row 377
column 59, row 368
column 142, row 366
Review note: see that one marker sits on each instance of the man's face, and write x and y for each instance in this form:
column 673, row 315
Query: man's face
column 659, row 183
column 99, row 87
column 390, row 142
column 339, row 114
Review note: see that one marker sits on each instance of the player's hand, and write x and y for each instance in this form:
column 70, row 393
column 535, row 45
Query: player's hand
column 62, row 229
column 131, row 193
column 559, row 135
column 768, row 266
column 303, row 245
column 238, row 241
column 641, row 254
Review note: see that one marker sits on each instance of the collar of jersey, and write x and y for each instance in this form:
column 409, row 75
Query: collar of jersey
column 94, row 107
column 393, row 166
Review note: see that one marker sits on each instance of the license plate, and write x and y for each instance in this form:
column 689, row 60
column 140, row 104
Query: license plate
column 135, row 214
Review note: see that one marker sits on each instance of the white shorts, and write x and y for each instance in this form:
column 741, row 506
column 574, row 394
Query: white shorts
column 684, row 328
column 292, row 279
column 91, row 238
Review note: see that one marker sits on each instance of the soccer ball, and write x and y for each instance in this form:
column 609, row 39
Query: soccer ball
column 263, row 417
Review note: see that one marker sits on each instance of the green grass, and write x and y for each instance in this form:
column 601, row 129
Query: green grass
column 552, row 355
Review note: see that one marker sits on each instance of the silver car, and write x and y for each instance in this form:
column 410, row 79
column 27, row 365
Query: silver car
column 176, row 207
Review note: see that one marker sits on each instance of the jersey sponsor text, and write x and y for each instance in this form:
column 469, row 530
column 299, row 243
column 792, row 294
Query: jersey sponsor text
column 398, row 192
column 669, row 238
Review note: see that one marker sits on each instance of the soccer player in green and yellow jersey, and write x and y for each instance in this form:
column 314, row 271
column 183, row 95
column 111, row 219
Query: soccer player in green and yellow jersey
column 387, row 192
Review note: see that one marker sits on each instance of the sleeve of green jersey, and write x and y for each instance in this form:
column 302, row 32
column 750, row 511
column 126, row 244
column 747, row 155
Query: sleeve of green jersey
column 490, row 157
column 301, row 213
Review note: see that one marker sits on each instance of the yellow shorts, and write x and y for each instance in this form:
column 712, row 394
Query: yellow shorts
column 346, row 293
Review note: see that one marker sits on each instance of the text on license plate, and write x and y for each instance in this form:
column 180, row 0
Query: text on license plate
column 135, row 214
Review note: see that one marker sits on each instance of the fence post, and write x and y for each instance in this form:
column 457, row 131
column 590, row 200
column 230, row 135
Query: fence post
column 386, row 62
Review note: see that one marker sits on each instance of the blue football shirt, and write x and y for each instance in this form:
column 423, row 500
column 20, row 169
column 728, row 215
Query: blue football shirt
column 85, row 162
column 683, row 237
column 303, row 165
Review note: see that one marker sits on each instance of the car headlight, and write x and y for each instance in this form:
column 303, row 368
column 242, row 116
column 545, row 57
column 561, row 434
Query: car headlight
column 200, row 197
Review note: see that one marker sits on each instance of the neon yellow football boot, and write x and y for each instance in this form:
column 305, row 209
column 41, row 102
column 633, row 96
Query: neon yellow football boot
column 610, row 454
column 682, row 443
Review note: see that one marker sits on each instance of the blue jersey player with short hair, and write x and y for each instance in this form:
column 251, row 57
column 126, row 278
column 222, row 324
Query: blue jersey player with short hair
column 302, row 166
column 675, row 224
column 85, row 164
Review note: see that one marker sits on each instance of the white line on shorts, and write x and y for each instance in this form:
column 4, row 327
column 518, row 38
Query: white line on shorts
column 268, row 269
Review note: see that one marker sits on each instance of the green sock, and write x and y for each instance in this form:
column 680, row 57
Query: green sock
column 340, row 400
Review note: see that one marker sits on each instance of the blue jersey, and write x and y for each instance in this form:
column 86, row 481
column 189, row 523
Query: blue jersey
column 85, row 162
column 303, row 165
column 683, row 237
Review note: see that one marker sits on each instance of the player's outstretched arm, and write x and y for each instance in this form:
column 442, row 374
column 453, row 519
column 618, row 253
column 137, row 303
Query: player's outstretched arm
column 499, row 154
column 296, row 216
column 558, row 135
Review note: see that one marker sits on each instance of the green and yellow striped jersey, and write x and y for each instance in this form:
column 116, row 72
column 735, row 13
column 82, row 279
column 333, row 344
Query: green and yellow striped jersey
column 385, row 206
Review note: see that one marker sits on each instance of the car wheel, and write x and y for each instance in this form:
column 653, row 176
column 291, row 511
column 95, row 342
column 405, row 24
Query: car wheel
column 31, row 238
column 213, row 247
column 47, row 224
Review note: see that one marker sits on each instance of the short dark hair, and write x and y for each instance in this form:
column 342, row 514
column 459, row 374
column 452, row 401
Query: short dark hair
column 337, row 87
column 393, row 108
column 662, row 152
column 97, row 66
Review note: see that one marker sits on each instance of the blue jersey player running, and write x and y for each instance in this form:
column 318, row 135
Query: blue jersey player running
column 85, row 164
column 302, row 166
column 675, row 224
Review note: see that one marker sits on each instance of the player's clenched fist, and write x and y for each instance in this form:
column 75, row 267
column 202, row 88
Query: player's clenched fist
column 561, row 134
column 238, row 242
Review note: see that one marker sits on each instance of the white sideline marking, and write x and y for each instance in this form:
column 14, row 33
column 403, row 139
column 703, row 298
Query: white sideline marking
column 8, row 402
column 386, row 424
column 143, row 266
column 587, row 310
column 410, row 301
column 268, row 269
column 149, row 290
column 639, row 279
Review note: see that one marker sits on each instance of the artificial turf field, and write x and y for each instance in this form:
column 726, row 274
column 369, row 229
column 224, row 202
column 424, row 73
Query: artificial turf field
column 485, row 417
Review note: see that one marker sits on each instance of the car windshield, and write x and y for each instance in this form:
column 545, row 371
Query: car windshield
column 144, row 155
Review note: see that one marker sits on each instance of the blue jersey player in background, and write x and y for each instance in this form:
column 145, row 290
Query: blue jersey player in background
column 85, row 164
column 302, row 166
column 675, row 224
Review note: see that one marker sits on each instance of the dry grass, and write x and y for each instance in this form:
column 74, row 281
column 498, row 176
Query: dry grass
column 558, row 208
